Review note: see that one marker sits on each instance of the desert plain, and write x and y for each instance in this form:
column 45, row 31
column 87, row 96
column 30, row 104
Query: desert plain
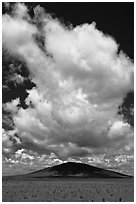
column 68, row 190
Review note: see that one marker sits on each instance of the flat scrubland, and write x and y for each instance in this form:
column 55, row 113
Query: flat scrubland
column 72, row 190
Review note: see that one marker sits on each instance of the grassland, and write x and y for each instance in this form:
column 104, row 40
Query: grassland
column 72, row 190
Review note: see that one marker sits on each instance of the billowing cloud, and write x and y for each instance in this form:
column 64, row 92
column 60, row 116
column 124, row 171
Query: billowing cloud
column 81, row 80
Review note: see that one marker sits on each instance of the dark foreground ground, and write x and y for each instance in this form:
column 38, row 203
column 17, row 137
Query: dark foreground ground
column 72, row 190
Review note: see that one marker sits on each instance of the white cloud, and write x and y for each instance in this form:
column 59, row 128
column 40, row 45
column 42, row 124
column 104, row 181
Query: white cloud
column 20, row 10
column 20, row 154
column 12, row 106
column 8, row 141
column 118, row 129
column 80, row 83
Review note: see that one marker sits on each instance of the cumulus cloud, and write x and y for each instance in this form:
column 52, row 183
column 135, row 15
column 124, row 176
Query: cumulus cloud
column 80, row 82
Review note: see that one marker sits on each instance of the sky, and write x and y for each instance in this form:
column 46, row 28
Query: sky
column 67, row 74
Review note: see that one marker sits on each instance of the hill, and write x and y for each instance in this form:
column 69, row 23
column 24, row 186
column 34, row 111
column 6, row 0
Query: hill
column 71, row 169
